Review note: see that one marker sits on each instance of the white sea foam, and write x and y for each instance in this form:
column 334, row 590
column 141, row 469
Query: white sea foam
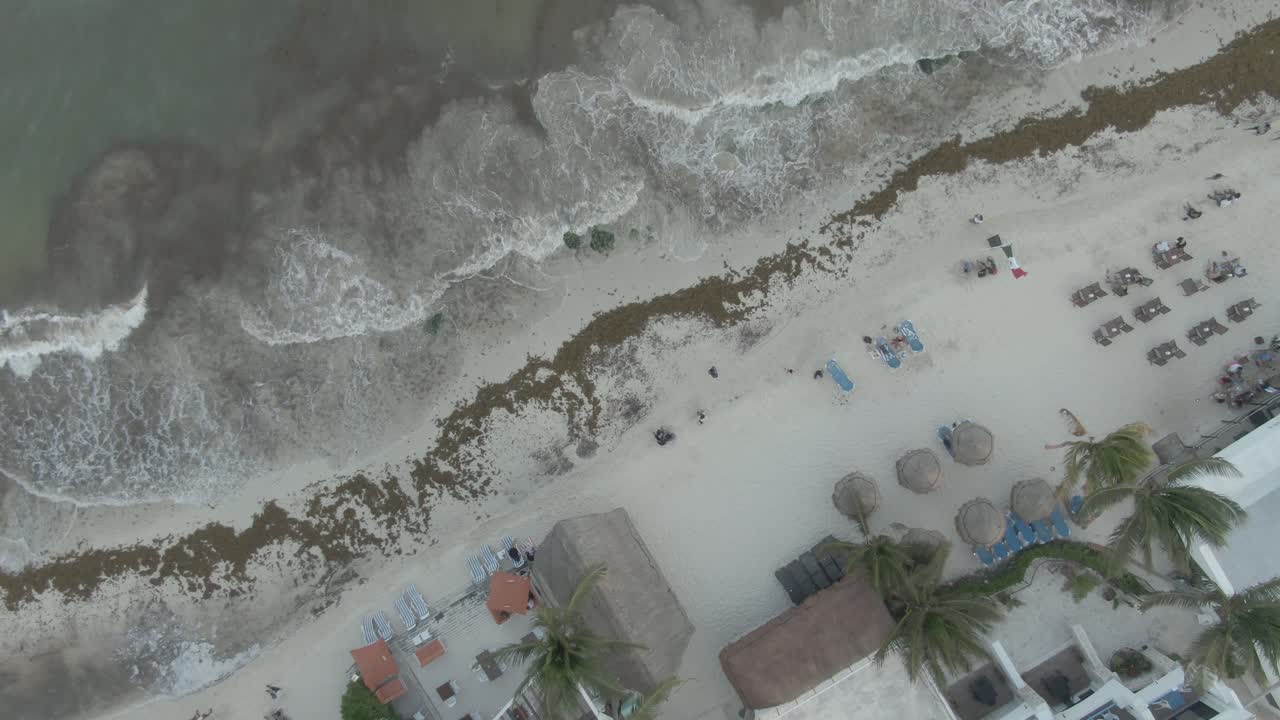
column 318, row 292
column 29, row 335
column 197, row 666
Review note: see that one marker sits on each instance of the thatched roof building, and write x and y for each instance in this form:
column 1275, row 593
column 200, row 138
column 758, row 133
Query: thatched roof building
column 802, row 647
column 633, row 603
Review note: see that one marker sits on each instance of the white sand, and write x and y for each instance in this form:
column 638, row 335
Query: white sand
column 733, row 499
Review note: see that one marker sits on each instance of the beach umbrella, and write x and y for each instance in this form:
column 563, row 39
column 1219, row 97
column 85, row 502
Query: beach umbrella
column 980, row 523
column 856, row 495
column 971, row 444
column 920, row 471
column 1032, row 499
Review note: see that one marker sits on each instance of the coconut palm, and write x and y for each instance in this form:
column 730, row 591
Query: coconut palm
column 1116, row 459
column 647, row 709
column 1170, row 512
column 886, row 562
column 1246, row 635
column 569, row 658
column 939, row 629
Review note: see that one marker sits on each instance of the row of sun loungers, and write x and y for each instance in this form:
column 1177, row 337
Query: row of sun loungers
column 1202, row 332
column 488, row 562
column 1020, row 534
column 412, row 609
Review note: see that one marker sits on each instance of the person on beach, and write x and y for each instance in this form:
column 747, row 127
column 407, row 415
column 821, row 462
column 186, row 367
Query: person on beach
column 976, row 219
column 664, row 436
column 1192, row 213
column 713, row 372
column 273, row 691
column 702, row 416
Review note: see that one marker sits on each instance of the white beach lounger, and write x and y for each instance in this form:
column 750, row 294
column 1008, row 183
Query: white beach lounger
column 477, row 572
column 507, row 546
column 527, row 547
column 383, row 625
column 490, row 560
column 417, row 603
column 366, row 626
column 406, row 615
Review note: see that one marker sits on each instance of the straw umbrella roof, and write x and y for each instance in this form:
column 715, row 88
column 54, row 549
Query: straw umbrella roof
column 924, row 538
column 980, row 523
column 920, row 471
column 856, row 495
column 972, row 444
column 633, row 603
column 1032, row 499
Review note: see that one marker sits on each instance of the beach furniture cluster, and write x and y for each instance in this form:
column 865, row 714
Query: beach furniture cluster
column 1034, row 517
column 413, row 611
column 514, row 556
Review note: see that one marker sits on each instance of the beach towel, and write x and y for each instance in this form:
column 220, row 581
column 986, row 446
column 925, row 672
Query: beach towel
column 837, row 373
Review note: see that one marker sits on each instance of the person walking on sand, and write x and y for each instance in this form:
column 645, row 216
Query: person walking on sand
column 976, row 219
column 273, row 691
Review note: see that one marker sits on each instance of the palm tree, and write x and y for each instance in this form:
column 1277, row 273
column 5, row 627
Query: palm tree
column 887, row 563
column 1247, row 632
column 938, row 629
column 1116, row 459
column 1170, row 513
column 568, row 659
column 647, row 709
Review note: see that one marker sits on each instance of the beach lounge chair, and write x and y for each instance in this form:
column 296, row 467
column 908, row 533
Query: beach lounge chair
column 887, row 353
column 1077, row 502
column 490, row 560
column 908, row 331
column 382, row 625
column 1177, row 351
column 837, row 373
column 1060, row 523
column 366, row 627
column 1011, row 539
column 1025, row 530
column 477, row 572
column 417, row 603
column 1217, row 327
column 1241, row 311
column 789, row 585
column 810, row 563
column 1190, row 286
column 1156, row 357
column 984, row 556
column 1044, row 533
column 406, row 615
column 507, row 546
column 831, row 564
column 1100, row 338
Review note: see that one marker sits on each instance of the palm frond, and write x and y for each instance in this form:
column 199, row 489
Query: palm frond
column 589, row 580
column 1203, row 468
column 1192, row 600
column 648, row 708
column 1268, row 591
column 1104, row 499
column 1117, row 459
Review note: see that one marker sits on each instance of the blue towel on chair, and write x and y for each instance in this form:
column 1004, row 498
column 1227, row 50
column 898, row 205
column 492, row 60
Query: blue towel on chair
column 1025, row 530
column 984, row 556
column 1060, row 523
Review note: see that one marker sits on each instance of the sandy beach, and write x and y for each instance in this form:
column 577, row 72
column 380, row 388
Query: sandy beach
column 543, row 418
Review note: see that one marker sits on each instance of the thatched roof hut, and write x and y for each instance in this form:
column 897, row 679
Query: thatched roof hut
column 1032, row 499
column 920, row 471
column 856, row 496
column 924, row 538
column 972, row 444
column 799, row 649
column 633, row 603
column 980, row 523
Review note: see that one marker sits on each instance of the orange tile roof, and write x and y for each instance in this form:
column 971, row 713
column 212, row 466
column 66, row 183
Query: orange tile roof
column 377, row 667
column 509, row 594
column 391, row 691
column 429, row 652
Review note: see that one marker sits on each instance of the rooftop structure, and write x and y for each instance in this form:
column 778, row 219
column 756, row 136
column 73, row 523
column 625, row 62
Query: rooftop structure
column 379, row 671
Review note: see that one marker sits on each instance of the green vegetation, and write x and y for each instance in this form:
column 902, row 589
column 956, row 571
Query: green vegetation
column 572, row 240
column 1083, row 584
column 1014, row 572
column 601, row 240
column 1170, row 513
column 647, row 709
column 359, row 703
column 569, row 657
column 1129, row 663
column 1246, row 635
column 1117, row 459
column 886, row 563
column 939, row 629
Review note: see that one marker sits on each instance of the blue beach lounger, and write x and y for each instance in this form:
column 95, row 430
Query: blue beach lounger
column 1077, row 503
column 837, row 374
column 887, row 354
column 1044, row 533
column 1001, row 550
column 417, row 603
column 477, row 572
column 984, row 556
column 490, row 560
column 1025, row 531
column 366, row 627
column 406, row 615
column 908, row 331
column 1060, row 523
column 1011, row 537
column 382, row 625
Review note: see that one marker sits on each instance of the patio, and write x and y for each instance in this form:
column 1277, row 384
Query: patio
column 963, row 697
column 464, row 672
column 1068, row 664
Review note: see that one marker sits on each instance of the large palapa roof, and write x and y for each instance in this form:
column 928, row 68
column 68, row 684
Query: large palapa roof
column 802, row 647
column 633, row 603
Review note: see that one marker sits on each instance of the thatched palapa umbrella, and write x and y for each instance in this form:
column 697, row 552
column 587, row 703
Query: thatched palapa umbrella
column 920, row 471
column 980, row 523
column 972, row 444
column 856, row 496
column 929, row 539
column 1032, row 499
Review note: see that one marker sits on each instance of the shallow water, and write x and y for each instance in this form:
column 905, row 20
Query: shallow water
column 290, row 198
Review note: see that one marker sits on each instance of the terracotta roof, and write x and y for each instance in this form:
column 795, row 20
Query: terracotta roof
column 802, row 647
column 377, row 667
column 429, row 652
column 509, row 594
column 391, row 691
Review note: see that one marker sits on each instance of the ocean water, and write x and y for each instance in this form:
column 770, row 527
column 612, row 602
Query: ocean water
column 227, row 227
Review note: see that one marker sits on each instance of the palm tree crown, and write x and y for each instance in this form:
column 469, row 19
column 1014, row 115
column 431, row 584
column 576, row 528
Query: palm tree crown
column 887, row 563
column 1170, row 512
column 1247, row 632
column 566, row 656
column 1117, row 459
column 938, row 629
